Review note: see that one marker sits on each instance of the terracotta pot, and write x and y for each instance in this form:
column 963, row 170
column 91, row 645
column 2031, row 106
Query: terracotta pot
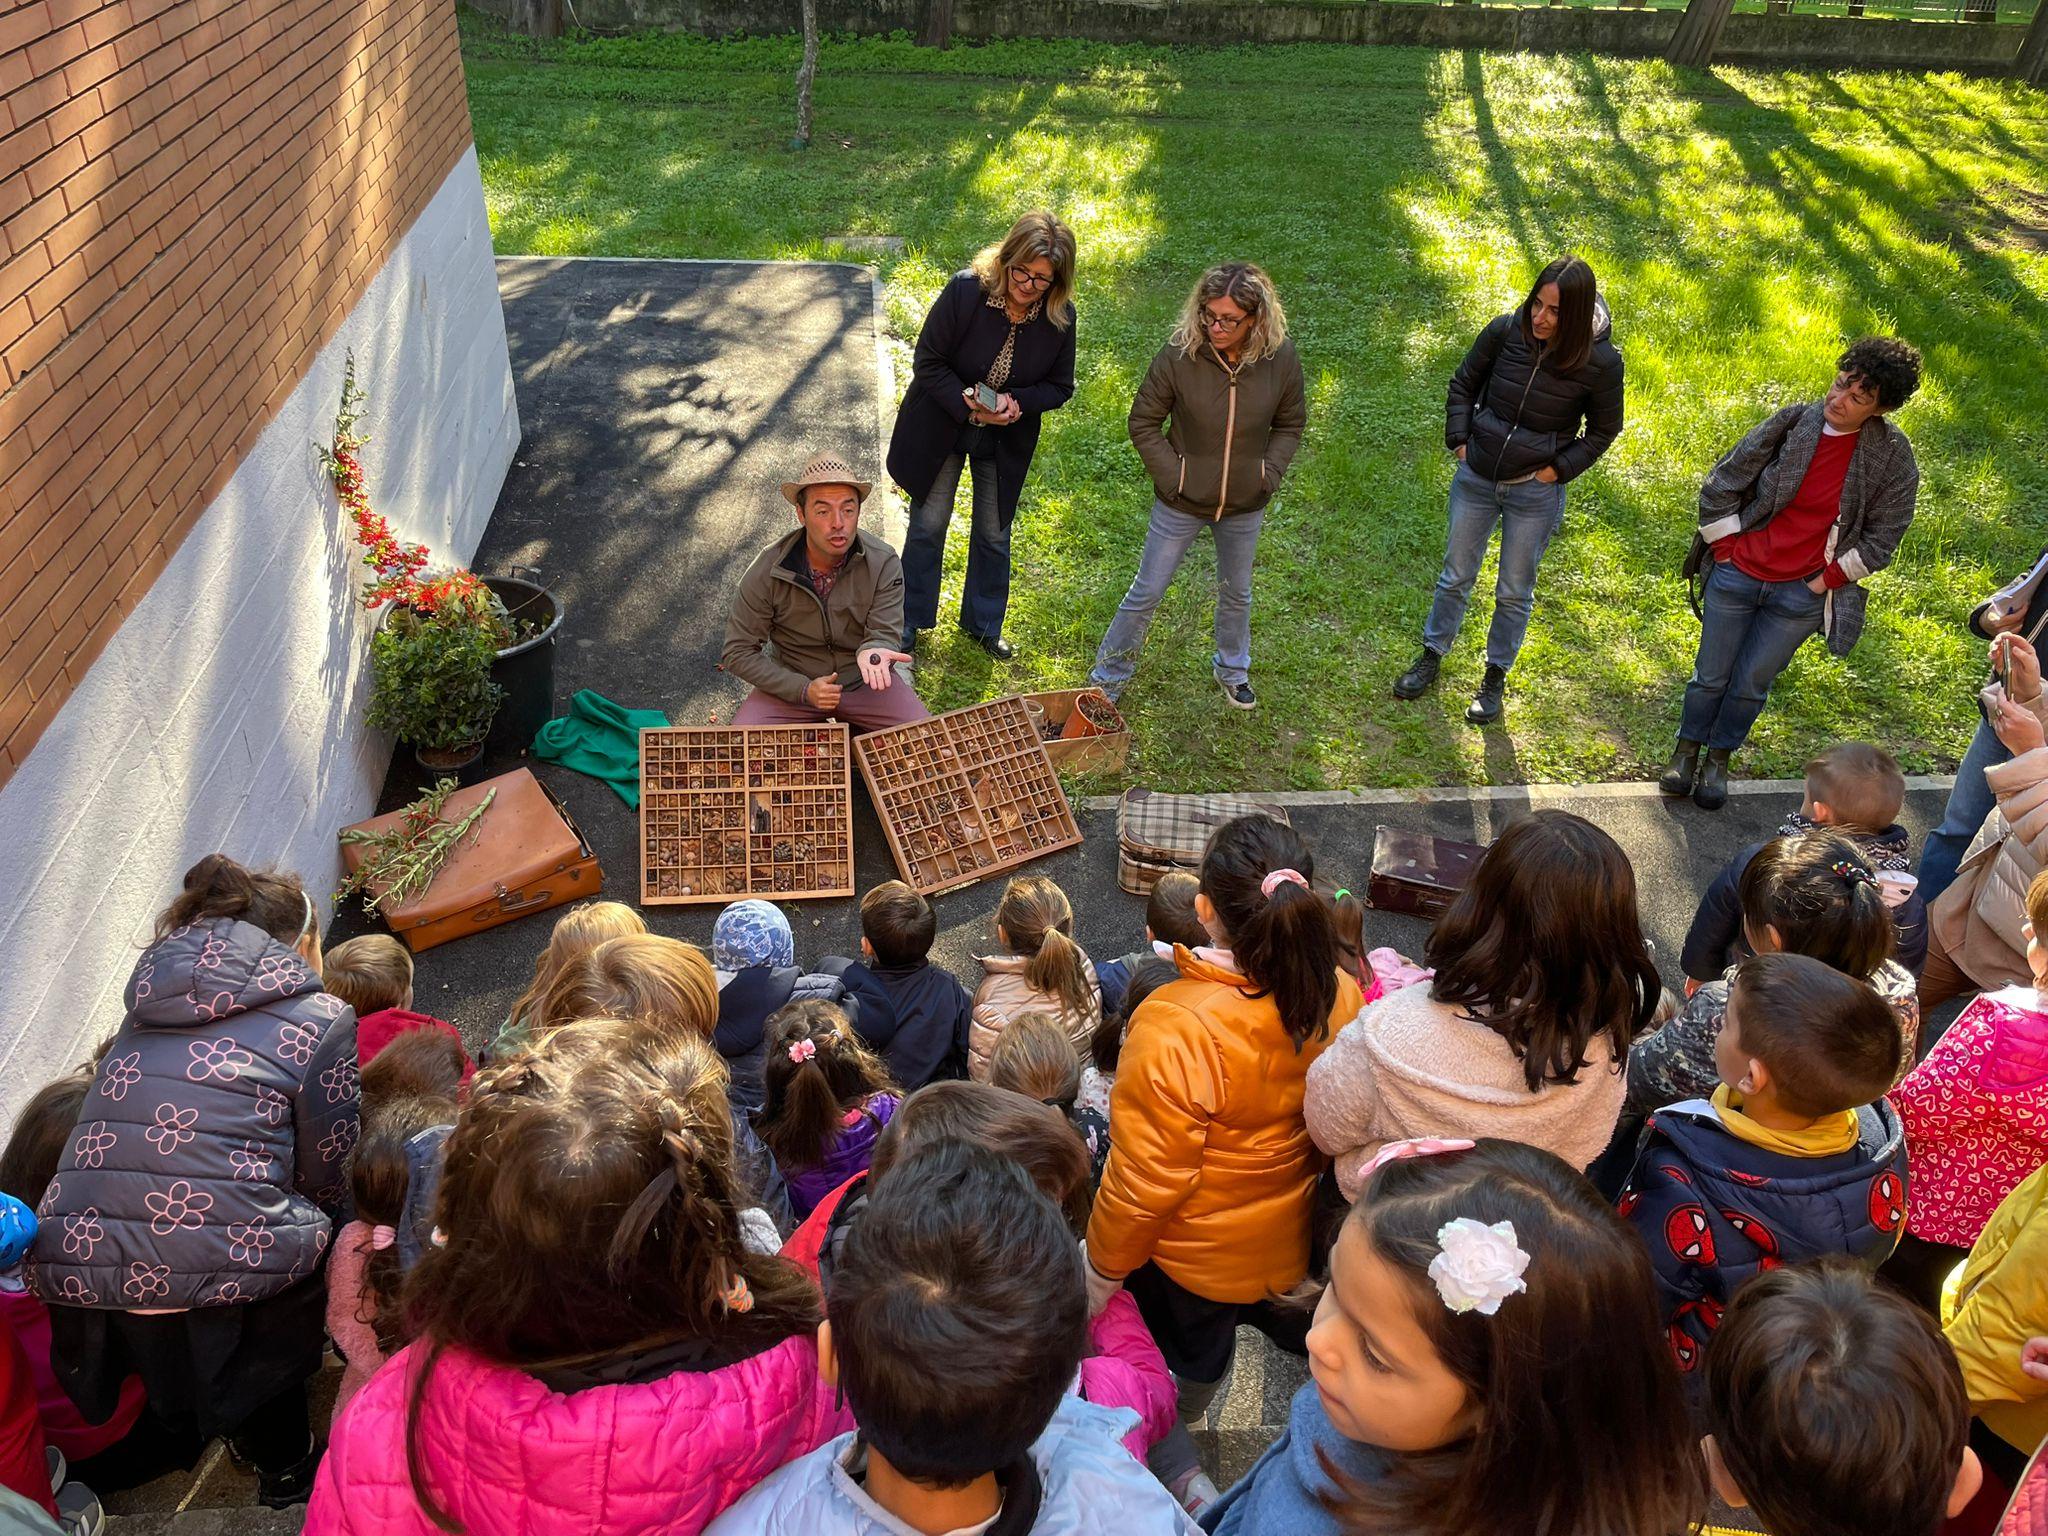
column 1093, row 715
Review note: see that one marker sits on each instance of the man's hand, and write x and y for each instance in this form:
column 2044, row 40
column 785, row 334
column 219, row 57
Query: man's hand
column 823, row 692
column 875, row 665
column 2018, row 727
column 1817, row 585
column 1547, row 475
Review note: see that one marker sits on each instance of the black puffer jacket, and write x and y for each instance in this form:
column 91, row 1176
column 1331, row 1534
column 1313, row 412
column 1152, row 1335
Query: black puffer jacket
column 1513, row 414
column 210, row 1159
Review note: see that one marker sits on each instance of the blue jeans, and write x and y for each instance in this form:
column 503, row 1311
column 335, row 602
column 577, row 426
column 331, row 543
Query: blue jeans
column 1168, row 537
column 1749, row 630
column 1529, row 514
column 986, row 596
column 1969, row 802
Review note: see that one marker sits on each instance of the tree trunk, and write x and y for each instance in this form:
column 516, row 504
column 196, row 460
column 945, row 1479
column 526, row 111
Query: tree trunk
column 1699, row 33
column 2032, row 64
column 540, row 18
column 938, row 24
column 806, row 73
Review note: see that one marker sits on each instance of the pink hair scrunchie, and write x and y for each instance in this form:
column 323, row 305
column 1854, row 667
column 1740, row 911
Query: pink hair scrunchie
column 1280, row 877
column 382, row 1237
column 1420, row 1146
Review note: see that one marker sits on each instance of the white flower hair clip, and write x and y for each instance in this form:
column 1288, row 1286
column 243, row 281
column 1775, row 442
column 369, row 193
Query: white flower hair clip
column 1479, row 1266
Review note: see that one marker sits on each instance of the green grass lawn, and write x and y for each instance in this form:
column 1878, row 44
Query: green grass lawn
column 1743, row 224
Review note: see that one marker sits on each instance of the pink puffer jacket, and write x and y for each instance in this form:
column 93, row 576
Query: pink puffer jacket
column 1126, row 1370
column 509, row 1457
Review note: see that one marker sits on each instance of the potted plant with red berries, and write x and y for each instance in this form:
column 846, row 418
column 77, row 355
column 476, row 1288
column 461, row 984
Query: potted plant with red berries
column 439, row 634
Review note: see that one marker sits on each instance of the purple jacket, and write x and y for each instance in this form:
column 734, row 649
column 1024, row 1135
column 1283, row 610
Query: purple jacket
column 848, row 1155
column 211, row 1156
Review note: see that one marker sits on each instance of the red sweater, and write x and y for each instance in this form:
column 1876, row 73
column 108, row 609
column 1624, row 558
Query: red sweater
column 1793, row 545
column 379, row 1029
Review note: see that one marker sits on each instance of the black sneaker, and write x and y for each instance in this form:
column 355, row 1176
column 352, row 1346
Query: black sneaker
column 1486, row 703
column 1419, row 677
column 1239, row 695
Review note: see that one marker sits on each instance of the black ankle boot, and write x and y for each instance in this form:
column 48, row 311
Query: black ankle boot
column 1712, row 792
column 1486, row 703
column 1683, row 768
column 1416, row 681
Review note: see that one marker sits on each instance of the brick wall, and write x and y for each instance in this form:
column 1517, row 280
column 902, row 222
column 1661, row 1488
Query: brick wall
column 193, row 195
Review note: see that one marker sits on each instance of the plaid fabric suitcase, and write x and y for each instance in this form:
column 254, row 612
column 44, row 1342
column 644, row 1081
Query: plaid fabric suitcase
column 1158, row 833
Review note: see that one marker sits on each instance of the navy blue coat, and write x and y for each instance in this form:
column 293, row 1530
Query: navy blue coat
column 1714, row 1210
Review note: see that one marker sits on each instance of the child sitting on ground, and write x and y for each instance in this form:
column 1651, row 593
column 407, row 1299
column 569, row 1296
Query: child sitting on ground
column 31, row 1466
column 1169, row 920
column 955, row 1321
column 1992, row 1311
column 828, row 1098
column 577, row 931
column 1353, row 954
column 1856, row 791
column 1105, row 1049
column 1487, row 1349
column 1976, row 1117
column 1034, row 1057
column 897, row 929
column 1797, row 1155
column 1123, row 1367
column 409, row 1089
column 598, row 1349
column 1807, row 895
column 183, row 1236
column 754, row 955
column 1835, row 1409
column 373, row 975
column 1044, row 968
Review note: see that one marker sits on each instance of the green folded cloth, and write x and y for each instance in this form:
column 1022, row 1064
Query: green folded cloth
column 599, row 738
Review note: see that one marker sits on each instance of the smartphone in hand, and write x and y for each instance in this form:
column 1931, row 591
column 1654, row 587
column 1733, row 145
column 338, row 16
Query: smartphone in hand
column 987, row 399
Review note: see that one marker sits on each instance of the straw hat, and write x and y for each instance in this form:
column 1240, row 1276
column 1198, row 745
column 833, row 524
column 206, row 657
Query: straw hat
column 825, row 469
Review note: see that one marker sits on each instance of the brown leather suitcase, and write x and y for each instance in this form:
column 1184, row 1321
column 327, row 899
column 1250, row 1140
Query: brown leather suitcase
column 525, row 856
column 1414, row 872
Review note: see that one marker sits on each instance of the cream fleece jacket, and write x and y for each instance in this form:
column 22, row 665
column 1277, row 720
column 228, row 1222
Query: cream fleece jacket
column 1410, row 1066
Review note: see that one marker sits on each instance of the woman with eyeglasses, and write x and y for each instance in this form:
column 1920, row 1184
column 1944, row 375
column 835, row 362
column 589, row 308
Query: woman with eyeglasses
column 1230, row 383
column 1535, row 402
column 996, row 353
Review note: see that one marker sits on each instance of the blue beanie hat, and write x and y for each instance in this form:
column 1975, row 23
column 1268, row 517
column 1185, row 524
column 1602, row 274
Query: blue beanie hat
column 751, row 933
column 17, row 1231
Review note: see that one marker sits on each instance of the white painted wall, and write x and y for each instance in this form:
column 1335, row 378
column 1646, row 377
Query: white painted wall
column 227, row 711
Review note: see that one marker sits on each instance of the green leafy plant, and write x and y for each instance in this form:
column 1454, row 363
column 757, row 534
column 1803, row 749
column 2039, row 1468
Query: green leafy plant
column 432, row 679
column 405, row 858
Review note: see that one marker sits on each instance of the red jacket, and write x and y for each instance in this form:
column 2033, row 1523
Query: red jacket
column 377, row 1030
column 23, row 1467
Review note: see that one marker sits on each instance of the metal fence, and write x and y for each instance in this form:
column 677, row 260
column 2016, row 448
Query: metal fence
column 2017, row 12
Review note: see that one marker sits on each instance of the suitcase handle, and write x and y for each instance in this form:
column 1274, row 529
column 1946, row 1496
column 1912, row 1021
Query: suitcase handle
column 507, row 904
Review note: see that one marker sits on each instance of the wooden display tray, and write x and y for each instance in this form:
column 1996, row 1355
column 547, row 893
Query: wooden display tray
column 734, row 811
column 1082, row 754
column 966, row 795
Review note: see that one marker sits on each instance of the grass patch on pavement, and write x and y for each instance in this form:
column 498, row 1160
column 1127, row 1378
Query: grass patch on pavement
column 1744, row 224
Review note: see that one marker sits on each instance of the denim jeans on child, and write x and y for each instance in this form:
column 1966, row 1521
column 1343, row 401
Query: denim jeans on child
column 1749, row 630
column 1167, row 539
column 986, row 596
column 1969, row 802
column 1529, row 513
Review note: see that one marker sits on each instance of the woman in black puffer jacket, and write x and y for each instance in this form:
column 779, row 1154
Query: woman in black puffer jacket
column 1536, row 401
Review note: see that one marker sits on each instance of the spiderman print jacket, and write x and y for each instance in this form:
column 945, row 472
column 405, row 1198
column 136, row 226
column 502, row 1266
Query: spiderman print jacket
column 209, row 1163
column 1714, row 1210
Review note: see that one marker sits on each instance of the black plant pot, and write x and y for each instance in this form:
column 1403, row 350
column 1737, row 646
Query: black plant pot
column 525, row 671
column 449, row 762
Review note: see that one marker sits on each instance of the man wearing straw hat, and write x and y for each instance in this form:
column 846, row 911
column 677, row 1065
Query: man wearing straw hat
column 819, row 615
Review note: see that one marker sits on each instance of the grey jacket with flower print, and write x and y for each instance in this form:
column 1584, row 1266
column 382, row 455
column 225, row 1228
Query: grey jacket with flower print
column 210, row 1160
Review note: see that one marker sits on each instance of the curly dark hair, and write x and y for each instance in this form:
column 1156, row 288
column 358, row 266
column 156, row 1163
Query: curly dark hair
column 1885, row 364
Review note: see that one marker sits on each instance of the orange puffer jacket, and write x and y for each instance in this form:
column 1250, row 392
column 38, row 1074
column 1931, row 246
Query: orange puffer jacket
column 1211, row 1172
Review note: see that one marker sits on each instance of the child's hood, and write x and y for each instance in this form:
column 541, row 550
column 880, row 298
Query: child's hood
column 201, row 973
column 1721, row 1159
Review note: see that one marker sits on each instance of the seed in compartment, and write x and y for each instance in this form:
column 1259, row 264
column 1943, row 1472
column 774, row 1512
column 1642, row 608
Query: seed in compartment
column 783, row 853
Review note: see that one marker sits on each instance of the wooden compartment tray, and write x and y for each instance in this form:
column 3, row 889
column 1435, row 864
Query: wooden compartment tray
column 966, row 795
column 734, row 811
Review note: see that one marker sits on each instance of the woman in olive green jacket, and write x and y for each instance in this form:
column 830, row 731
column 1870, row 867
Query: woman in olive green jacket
column 1231, row 383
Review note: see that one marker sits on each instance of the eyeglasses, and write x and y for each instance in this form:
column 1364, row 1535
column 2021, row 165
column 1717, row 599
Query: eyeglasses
column 1024, row 277
column 1226, row 323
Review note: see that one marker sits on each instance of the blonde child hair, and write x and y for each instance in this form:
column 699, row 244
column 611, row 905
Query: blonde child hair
column 1036, row 920
column 577, row 931
column 370, row 974
column 661, row 984
column 1035, row 1057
